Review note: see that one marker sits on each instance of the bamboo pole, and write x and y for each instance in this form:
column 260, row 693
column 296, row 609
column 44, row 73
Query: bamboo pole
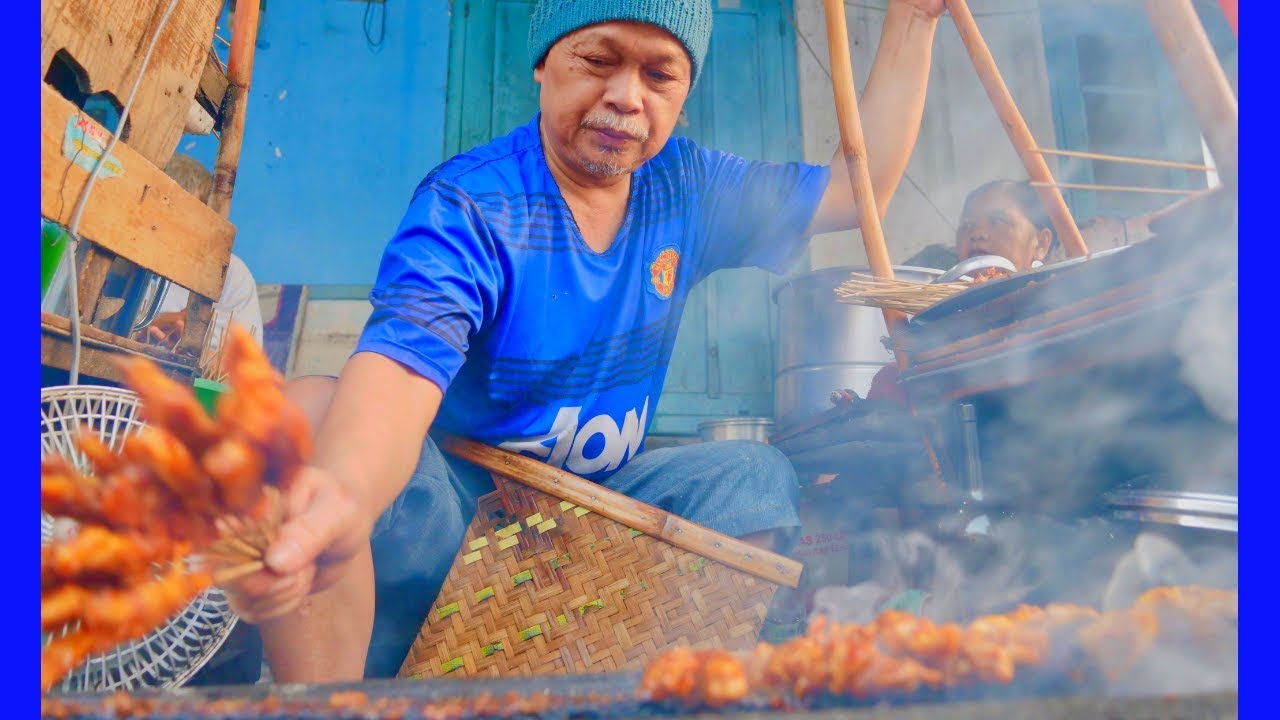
column 854, row 148
column 1127, row 159
column 244, row 38
column 1196, row 66
column 1019, row 134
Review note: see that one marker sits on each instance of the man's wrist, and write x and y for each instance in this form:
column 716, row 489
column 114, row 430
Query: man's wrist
column 912, row 13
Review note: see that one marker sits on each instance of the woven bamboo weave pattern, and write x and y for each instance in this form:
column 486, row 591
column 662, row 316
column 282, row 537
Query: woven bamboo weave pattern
column 541, row 586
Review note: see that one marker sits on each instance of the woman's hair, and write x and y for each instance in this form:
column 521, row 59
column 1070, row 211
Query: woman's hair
column 1027, row 200
column 191, row 175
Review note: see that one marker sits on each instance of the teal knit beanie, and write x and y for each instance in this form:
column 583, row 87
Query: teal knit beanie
column 688, row 20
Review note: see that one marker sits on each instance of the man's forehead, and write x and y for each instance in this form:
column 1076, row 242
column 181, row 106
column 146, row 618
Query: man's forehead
column 656, row 42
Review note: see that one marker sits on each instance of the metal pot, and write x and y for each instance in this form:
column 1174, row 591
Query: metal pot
column 736, row 428
column 825, row 345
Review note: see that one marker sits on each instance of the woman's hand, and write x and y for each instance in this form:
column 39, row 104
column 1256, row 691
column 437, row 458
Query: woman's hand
column 324, row 528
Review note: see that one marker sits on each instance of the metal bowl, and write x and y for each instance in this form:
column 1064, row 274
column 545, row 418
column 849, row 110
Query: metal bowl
column 737, row 428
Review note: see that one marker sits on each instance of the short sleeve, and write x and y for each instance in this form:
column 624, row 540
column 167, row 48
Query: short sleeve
column 438, row 285
column 755, row 214
column 239, row 302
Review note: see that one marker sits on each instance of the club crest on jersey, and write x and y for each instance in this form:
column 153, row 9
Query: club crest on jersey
column 662, row 272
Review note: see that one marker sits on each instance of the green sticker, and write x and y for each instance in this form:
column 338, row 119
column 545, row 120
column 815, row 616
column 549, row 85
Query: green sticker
column 634, row 532
column 447, row 610
column 560, row 562
column 522, row 578
column 562, row 620
column 698, row 564
column 532, row 632
column 484, row 594
column 451, row 665
column 490, row 649
column 594, row 604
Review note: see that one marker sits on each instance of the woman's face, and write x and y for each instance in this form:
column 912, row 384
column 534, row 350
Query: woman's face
column 993, row 224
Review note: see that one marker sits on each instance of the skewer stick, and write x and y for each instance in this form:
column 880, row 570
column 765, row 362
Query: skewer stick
column 855, row 157
column 1127, row 159
column 1199, row 72
column 236, row 572
column 1120, row 188
column 1016, row 127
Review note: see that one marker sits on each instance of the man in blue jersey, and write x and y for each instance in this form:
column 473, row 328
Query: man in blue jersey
column 530, row 300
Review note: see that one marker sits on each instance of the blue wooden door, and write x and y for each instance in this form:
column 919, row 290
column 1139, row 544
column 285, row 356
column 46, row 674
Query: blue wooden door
column 746, row 102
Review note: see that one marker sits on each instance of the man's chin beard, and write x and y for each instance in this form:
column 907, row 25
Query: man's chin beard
column 604, row 168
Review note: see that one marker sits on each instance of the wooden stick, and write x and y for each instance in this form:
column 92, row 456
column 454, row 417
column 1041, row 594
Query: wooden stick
column 1127, row 159
column 1120, row 188
column 1016, row 127
column 1204, row 83
column 628, row 511
column 236, row 572
column 244, row 38
column 853, row 145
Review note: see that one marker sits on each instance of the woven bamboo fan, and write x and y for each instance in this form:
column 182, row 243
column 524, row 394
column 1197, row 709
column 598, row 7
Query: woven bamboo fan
column 559, row 575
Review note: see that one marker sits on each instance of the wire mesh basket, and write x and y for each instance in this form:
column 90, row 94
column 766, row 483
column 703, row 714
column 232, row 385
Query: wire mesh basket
column 170, row 655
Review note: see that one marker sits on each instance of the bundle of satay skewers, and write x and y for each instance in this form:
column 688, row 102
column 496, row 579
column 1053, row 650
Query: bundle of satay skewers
column 900, row 654
column 188, row 501
column 904, row 295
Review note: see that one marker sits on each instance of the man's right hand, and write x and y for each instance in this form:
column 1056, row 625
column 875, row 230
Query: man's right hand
column 324, row 528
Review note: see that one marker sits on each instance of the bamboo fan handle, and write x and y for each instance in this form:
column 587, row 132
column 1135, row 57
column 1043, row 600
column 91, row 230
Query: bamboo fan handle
column 647, row 519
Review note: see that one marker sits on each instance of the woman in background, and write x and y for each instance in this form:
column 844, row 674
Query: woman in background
column 1002, row 217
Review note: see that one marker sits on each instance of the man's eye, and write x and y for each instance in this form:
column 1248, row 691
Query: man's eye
column 596, row 61
column 660, row 76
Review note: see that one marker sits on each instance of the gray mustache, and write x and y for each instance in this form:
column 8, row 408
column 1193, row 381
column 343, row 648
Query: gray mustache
column 615, row 123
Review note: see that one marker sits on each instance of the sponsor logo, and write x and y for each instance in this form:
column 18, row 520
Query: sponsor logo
column 565, row 446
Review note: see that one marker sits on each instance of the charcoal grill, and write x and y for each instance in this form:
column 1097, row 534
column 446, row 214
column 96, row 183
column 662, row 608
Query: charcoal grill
column 605, row 697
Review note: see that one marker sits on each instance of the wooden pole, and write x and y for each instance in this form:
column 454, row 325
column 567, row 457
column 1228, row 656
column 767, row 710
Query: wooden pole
column 854, row 149
column 1196, row 66
column 244, row 38
column 1014, row 124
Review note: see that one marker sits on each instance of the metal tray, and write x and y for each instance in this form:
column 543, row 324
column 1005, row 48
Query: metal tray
column 1207, row 511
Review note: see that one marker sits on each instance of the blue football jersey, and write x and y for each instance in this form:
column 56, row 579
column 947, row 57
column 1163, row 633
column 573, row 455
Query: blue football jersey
column 541, row 344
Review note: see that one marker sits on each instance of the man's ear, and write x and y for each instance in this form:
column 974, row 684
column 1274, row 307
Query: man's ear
column 538, row 70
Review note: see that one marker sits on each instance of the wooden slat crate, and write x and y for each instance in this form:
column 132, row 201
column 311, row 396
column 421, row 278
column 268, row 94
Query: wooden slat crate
column 106, row 39
column 585, row 580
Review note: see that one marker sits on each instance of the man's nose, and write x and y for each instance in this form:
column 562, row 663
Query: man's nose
column 624, row 92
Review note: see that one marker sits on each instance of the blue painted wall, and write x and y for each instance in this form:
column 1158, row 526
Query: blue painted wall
column 337, row 135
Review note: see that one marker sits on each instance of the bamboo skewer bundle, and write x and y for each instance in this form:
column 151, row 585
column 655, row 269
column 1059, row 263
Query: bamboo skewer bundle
column 904, row 296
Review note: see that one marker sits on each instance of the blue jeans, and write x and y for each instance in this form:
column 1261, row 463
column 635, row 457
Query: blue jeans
column 733, row 487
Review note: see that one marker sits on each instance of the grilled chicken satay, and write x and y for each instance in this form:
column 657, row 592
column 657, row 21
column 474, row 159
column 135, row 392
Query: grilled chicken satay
column 174, row 487
column 168, row 404
column 95, row 555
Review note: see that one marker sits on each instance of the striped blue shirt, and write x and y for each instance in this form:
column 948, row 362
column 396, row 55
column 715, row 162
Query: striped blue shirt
column 543, row 345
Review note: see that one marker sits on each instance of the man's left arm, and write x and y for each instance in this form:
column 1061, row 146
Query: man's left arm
column 891, row 108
